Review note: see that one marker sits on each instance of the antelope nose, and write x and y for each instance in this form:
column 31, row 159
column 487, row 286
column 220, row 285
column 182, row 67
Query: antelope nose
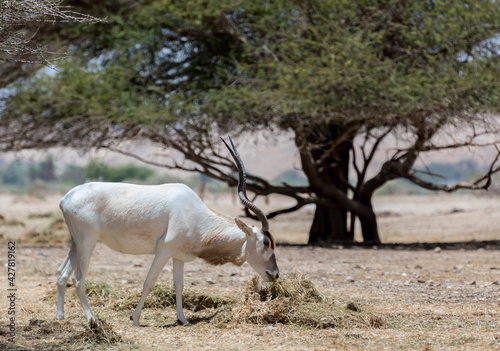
column 273, row 275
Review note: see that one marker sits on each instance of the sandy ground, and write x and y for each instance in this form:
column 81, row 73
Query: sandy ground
column 430, row 299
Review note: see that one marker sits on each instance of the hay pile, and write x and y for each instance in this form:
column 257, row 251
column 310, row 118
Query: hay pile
column 163, row 296
column 295, row 300
column 66, row 335
column 98, row 332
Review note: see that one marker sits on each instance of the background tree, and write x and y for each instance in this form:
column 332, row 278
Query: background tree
column 180, row 73
column 21, row 22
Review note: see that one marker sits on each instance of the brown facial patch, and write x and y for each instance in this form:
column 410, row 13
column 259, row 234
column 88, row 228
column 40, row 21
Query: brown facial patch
column 271, row 238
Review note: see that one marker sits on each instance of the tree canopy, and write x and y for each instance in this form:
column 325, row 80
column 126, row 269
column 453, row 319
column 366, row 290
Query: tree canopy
column 180, row 73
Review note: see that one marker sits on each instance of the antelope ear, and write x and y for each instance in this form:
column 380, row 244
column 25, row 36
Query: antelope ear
column 246, row 229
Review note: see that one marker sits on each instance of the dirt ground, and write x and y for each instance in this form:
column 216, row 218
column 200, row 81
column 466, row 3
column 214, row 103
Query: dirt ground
column 436, row 299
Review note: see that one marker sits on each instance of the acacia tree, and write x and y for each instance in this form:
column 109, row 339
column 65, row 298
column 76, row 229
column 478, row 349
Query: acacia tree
column 21, row 22
column 179, row 74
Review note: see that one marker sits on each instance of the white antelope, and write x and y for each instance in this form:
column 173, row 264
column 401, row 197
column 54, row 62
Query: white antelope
column 167, row 221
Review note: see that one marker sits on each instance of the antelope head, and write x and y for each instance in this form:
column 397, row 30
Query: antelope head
column 260, row 245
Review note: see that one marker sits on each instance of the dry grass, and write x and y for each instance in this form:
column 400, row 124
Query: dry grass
column 50, row 229
column 56, row 233
column 56, row 335
column 9, row 222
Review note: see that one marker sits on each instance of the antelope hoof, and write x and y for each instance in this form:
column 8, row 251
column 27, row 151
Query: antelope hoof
column 135, row 322
column 184, row 323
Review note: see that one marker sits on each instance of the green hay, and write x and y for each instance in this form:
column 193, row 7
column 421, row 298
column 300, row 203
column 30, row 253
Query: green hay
column 293, row 299
column 97, row 332
column 163, row 296
column 98, row 293
column 98, row 290
column 295, row 286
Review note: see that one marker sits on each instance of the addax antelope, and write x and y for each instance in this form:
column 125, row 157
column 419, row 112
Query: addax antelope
column 168, row 221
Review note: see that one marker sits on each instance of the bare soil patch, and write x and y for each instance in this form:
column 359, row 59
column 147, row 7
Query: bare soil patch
column 424, row 299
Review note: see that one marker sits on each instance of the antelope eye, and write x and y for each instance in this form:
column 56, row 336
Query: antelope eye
column 267, row 243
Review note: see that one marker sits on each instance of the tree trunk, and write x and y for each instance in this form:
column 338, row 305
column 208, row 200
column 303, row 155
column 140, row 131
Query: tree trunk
column 329, row 225
column 369, row 227
column 330, row 222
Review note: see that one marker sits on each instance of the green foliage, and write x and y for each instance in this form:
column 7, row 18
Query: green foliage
column 13, row 174
column 291, row 177
column 246, row 65
column 99, row 171
column 19, row 174
column 44, row 170
column 452, row 172
column 73, row 174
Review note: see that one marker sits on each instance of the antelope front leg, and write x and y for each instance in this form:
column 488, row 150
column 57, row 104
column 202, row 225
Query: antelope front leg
column 160, row 260
column 178, row 286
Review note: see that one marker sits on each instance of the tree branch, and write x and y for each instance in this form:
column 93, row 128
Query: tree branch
column 476, row 185
column 207, row 162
